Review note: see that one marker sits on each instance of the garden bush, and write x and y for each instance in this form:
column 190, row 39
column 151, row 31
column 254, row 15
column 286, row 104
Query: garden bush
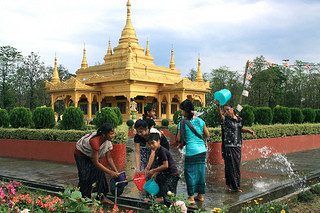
column 317, row 111
column 130, row 123
column 315, row 189
column 305, row 196
column 20, row 117
column 247, row 115
column 120, row 134
column 296, row 116
column 177, row 117
column 43, row 117
column 119, row 115
column 281, row 115
column 165, row 122
column 209, row 115
column 309, row 115
column 263, row 115
column 72, row 118
column 106, row 115
column 4, row 118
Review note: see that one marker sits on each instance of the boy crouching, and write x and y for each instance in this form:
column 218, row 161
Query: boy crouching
column 166, row 173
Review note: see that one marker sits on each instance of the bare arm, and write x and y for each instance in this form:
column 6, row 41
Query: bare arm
column 206, row 131
column 137, row 156
column 164, row 166
column 178, row 135
column 95, row 159
column 151, row 159
column 248, row 131
column 221, row 116
column 111, row 163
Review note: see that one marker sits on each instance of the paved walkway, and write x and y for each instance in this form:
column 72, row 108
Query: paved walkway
column 258, row 176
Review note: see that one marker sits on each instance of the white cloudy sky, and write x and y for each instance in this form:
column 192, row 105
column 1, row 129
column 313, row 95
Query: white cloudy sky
column 223, row 32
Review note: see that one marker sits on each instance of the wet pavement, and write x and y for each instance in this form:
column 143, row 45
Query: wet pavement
column 257, row 176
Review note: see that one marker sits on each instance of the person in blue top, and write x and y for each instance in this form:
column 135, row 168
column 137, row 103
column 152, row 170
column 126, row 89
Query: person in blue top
column 196, row 151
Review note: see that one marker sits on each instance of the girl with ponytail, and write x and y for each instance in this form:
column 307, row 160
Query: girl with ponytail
column 89, row 149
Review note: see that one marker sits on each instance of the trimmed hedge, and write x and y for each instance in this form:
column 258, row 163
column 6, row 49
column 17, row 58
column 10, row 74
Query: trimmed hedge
column 296, row 116
column 72, row 118
column 130, row 123
column 263, row 115
column 107, row 114
column 165, row 122
column 247, row 115
column 20, row 117
column 43, row 117
column 4, row 118
column 264, row 131
column 177, row 116
column 119, row 115
column 209, row 115
column 309, row 115
column 281, row 115
column 317, row 111
column 120, row 135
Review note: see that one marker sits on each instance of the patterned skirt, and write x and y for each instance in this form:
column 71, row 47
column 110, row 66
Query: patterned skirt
column 89, row 174
column 194, row 172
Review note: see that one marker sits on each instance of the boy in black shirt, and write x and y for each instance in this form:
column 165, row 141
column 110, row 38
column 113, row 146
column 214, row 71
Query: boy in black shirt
column 166, row 174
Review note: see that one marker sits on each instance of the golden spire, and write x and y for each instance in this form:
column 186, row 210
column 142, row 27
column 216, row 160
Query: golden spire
column 128, row 30
column 55, row 77
column 147, row 50
column 129, row 65
column 84, row 60
column 109, row 49
column 199, row 74
column 172, row 64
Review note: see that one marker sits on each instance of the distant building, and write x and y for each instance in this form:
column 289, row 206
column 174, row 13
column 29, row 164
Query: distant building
column 128, row 73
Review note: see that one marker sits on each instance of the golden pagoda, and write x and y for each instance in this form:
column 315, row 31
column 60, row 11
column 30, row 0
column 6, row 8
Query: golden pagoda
column 128, row 73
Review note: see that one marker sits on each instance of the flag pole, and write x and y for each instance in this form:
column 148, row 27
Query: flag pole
column 244, row 80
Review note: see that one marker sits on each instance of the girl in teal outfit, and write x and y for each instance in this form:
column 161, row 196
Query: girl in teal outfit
column 195, row 149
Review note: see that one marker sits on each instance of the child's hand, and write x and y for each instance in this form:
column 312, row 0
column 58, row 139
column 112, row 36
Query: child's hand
column 154, row 176
column 150, row 173
column 137, row 172
column 217, row 102
column 146, row 172
column 251, row 132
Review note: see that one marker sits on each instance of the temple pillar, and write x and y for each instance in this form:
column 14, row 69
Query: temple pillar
column 52, row 102
column 90, row 109
column 169, row 107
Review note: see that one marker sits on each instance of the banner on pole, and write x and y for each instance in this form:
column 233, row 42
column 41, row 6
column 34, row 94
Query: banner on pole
column 245, row 93
column 239, row 108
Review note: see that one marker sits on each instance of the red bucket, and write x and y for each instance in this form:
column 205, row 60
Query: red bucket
column 139, row 180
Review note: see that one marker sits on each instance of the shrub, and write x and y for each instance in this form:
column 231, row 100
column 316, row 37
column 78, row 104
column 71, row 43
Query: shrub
column 20, row 117
column 305, row 196
column 4, row 118
column 119, row 115
column 165, row 122
column 120, row 134
column 130, row 123
column 106, row 115
column 173, row 129
column 72, row 118
column 309, row 115
column 43, row 117
column 281, row 115
column 317, row 111
column 177, row 117
column 296, row 115
column 263, row 115
column 209, row 115
column 247, row 115
column 316, row 189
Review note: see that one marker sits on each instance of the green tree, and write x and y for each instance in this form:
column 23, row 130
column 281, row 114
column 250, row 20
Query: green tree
column 223, row 78
column 33, row 74
column 9, row 57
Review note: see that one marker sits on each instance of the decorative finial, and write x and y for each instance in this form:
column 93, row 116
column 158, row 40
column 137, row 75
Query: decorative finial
column 172, row 64
column 55, row 76
column 199, row 73
column 84, row 64
column 109, row 48
column 147, row 49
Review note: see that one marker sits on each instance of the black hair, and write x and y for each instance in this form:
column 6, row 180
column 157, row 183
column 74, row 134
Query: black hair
column 150, row 122
column 153, row 137
column 187, row 106
column 230, row 105
column 104, row 129
column 147, row 108
column 141, row 123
